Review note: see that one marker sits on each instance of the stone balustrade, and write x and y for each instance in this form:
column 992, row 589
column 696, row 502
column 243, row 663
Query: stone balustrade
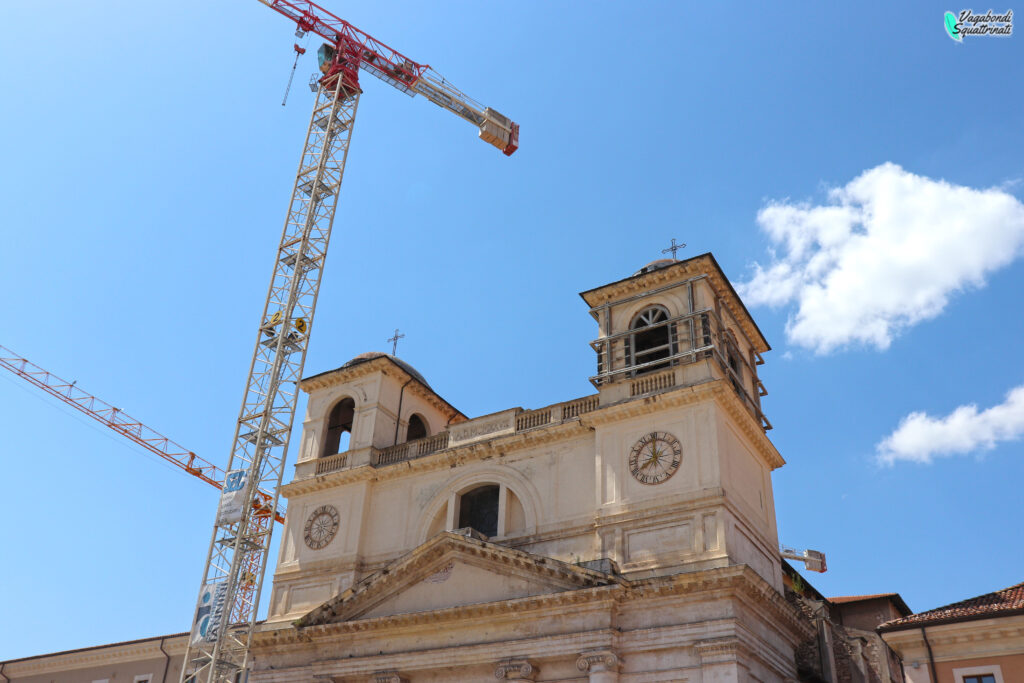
column 478, row 429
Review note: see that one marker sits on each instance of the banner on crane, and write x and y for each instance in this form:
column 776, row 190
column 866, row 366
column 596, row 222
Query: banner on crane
column 209, row 611
column 232, row 498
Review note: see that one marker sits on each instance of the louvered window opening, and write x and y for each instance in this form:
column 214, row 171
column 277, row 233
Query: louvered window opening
column 654, row 338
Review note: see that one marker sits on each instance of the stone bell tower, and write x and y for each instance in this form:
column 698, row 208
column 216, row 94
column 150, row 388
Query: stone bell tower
column 625, row 535
column 680, row 433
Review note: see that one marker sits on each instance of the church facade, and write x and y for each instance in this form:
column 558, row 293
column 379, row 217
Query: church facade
column 628, row 535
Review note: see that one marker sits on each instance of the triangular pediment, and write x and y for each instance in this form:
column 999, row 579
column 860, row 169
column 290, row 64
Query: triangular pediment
column 451, row 570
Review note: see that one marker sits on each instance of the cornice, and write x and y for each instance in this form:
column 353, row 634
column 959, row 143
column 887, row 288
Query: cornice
column 511, row 445
column 731, row 403
column 337, row 666
column 637, row 284
column 384, row 366
column 368, row 592
column 739, row 580
column 345, row 375
column 668, row 507
column 518, row 607
column 703, row 264
column 716, row 390
column 507, row 445
column 737, row 583
column 955, row 635
column 101, row 655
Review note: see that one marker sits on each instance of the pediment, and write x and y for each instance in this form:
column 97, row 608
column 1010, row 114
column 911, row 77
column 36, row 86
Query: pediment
column 451, row 570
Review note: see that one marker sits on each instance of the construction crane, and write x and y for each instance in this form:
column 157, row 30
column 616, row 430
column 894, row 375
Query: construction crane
column 122, row 423
column 236, row 562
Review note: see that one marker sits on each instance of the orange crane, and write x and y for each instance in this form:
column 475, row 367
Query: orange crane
column 119, row 421
column 229, row 594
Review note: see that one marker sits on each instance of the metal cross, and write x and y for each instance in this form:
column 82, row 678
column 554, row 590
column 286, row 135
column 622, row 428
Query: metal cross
column 394, row 342
column 674, row 248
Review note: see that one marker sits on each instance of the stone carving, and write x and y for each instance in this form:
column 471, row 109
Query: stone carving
column 388, row 677
column 597, row 661
column 724, row 649
column 515, row 670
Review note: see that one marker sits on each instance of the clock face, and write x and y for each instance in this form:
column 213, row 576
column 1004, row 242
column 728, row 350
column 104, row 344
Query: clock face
column 321, row 526
column 655, row 457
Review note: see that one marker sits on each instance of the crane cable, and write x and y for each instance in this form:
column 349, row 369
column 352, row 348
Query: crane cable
column 299, row 51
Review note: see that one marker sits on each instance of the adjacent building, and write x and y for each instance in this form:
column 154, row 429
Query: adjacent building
column 978, row 640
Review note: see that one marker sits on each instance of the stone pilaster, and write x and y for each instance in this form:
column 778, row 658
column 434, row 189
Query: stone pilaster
column 601, row 666
column 515, row 670
column 719, row 659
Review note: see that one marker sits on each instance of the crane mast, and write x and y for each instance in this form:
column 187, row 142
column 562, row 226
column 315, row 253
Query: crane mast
column 236, row 562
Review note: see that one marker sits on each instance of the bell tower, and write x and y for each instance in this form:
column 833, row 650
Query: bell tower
column 684, row 479
column 676, row 323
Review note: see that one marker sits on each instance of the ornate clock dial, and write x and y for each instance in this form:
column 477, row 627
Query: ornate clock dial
column 321, row 526
column 655, row 457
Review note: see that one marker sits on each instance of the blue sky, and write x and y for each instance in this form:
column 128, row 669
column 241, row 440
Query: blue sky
column 855, row 172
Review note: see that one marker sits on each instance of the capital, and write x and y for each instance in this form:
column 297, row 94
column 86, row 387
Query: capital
column 597, row 661
column 716, row 650
column 388, row 677
column 515, row 670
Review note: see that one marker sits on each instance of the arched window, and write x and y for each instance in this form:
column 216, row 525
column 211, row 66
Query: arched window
column 339, row 427
column 478, row 509
column 417, row 428
column 653, row 339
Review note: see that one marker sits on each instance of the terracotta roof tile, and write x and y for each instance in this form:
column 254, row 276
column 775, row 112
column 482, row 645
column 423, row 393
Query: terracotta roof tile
column 999, row 603
column 857, row 598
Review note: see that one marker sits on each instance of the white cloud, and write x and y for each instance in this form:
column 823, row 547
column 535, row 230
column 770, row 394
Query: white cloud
column 885, row 252
column 920, row 438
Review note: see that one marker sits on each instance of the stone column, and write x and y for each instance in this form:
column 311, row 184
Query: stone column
column 515, row 670
column 602, row 666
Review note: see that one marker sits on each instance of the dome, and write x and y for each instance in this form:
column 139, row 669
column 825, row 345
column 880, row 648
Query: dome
column 656, row 265
column 371, row 355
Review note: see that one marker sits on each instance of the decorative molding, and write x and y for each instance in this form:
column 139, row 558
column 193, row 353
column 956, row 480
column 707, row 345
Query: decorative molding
column 104, row 655
column 385, row 366
column 701, row 265
column 954, row 641
column 515, row 670
column 718, row 650
column 500, row 445
column 598, row 661
column 475, row 447
column 486, row 427
column 736, row 409
column 737, row 581
column 363, row 596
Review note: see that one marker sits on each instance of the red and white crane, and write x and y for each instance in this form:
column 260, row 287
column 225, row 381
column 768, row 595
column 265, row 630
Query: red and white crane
column 122, row 423
column 237, row 559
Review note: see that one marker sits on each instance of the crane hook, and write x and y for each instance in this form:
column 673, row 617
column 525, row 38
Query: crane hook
column 299, row 51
